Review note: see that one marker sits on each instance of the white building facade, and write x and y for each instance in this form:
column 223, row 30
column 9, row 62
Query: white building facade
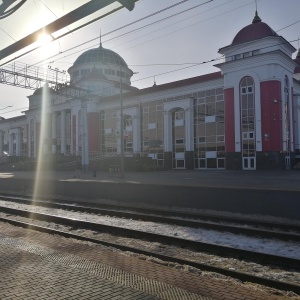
column 245, row 116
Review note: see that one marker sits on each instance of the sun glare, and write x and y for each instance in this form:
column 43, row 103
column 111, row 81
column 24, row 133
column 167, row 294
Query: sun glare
column 43, row 159
column 44, row 39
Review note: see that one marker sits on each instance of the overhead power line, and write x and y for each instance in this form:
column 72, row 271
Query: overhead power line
column 126, row 33
column 200, row 63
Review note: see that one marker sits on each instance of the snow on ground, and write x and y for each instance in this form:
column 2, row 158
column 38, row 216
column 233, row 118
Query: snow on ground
column 276, row 247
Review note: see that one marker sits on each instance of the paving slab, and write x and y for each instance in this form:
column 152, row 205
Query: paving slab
column 36, row 265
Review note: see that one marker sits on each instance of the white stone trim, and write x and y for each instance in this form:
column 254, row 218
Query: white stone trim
column 169, row 108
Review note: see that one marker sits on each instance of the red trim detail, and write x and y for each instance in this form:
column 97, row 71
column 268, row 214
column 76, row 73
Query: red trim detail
column 293, row 146
column 93, row 120
column 271, row 115
column 229, row 120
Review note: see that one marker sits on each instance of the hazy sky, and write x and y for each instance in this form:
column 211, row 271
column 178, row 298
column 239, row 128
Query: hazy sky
column 191, row 32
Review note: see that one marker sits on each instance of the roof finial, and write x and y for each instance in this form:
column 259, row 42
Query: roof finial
column 100, row 39
column 256, row 19
column 154, row 82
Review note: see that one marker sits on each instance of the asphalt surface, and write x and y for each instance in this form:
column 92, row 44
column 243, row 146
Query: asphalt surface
column 269, row 180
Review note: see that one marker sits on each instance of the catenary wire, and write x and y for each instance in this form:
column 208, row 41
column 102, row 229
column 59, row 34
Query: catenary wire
column 126, row 33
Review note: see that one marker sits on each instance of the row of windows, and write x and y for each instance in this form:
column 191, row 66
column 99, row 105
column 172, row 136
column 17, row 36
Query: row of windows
column 245, row 54
column 100, row 71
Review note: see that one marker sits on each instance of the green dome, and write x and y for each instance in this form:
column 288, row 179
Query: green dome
column 100, row 55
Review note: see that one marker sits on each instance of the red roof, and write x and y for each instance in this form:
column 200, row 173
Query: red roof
column 183, row 82
column 171, row 85
column 252, row 32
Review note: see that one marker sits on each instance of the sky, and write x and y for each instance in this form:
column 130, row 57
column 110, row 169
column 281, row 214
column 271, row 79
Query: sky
column 176, row 43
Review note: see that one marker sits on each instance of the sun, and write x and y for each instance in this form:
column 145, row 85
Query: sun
column 44, row 39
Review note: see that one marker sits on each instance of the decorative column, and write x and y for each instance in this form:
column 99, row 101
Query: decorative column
column 135, row 114
column 63, row 132
column 136, row 127
column 75, row 129
column 84, row 137
column 189, row 136
column 1, row 142
column 189, row 127
column 11, row 144
column 18, row 141
column 53, row 132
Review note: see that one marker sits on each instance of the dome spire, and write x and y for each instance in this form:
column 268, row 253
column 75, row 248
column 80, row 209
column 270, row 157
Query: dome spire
column 100, row 46
column 256, row 18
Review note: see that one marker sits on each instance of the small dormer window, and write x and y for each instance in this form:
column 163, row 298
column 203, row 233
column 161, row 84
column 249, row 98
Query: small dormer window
column 109, row 72
column 238, row 56
column 247, row 54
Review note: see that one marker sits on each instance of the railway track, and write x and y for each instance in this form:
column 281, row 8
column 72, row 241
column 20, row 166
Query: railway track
column 129, row 233
column 243, row 226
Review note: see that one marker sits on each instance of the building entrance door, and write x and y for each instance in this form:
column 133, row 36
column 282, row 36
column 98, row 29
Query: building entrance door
column 287, row 162
column 249, row 163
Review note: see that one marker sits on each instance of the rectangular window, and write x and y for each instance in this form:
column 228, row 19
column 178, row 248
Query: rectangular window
column 158, row 107
column 179, row 141
column 108, row 130
column 179, row 155
column 220, row 138
column 202, row 163
column 178, row 123
column 247, row 54
column 238, row 56
column 210, row 119
column 152, row 126
column 248, row 135
column 200, row 101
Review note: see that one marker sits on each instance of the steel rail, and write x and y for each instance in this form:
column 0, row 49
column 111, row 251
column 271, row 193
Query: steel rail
column 262, row 258
column 244, row 277
column 171, row 219
column 162, row 211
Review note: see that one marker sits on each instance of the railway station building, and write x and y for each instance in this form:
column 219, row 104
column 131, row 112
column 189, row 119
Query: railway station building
column 245, row 116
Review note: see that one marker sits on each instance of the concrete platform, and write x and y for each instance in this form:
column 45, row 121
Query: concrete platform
column 40, row 266
column 270, row 180
column 275, row 193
